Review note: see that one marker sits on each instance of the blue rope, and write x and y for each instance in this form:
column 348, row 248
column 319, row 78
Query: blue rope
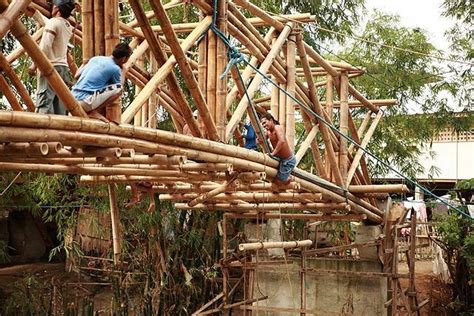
column 236, row 57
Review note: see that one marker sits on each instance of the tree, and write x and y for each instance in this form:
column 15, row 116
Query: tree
column 402, row 68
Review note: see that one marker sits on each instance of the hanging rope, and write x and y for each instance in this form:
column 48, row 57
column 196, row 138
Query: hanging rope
column 236, row 57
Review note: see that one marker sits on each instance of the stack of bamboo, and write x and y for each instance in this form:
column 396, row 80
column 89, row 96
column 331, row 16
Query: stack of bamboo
column 205, row 170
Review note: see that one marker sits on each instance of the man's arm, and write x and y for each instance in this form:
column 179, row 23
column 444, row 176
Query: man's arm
column 46, row 44
column 281, row 140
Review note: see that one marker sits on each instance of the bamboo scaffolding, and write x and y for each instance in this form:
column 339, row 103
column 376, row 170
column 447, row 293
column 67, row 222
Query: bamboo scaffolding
column 243, row 104
column 331, row 156
column 186, row 70
column 270, row 245
column 363, row 145
column 166, row 67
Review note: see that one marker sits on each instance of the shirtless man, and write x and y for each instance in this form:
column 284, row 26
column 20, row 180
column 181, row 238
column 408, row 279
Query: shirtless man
column 281, row 150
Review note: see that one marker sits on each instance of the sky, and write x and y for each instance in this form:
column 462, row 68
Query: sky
column 424, row 14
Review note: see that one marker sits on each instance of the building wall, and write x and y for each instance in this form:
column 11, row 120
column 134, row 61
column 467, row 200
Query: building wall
column 454, row 160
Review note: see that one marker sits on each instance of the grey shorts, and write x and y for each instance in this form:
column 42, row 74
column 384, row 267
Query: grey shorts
column 96, row 99
column 47, row 102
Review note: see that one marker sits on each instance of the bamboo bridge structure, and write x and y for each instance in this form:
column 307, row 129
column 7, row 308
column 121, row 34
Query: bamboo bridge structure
column 210, row 170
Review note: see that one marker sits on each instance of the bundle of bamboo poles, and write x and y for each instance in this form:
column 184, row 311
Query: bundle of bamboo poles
column 18, row 127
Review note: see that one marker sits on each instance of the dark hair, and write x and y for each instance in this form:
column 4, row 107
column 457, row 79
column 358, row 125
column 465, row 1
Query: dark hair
column 122, row 50
column 269, row 117
column 66, row 9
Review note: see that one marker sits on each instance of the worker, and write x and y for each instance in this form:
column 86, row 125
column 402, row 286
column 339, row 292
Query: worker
column 56, row 35
column 100, row 81
column 281, row 150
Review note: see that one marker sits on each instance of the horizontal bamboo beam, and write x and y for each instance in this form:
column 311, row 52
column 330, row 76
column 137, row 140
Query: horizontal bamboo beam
column 322, row 207
column 275, row 244
column 379, row 188
column 306, row 217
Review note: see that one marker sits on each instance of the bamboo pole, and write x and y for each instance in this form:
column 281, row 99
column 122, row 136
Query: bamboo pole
column 243, row 104
column 186, row 70
column 211, row 72
column 9, row 95
column 363, row 145
column 291, row 90
column 306, row 144
column 344, row 128
column 228, row 195
column 280, row 244
column 20, row 88
column 99, row 27
column 221, row 56
column 209, row 195
column 26, row 149
column 16, row 53
column 87, row 30
column 381, row 188
column 20, row 32
column 308, row 126
column 115, row 221
column 113, row 110
column 306, row 217
column 321, row 207
column 358, row 104
column 11, row 13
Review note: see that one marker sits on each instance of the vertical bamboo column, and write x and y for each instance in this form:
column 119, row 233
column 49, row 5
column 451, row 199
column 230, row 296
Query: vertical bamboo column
column 344, row 126
column 329, row 111
column 99, row 43
column 291, row 89
column 221, row 110
column 113, row 111
column 115, row 218
column 87, row 30
column 211, row 73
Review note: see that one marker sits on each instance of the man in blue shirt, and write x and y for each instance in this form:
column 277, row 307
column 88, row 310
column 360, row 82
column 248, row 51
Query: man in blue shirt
column 100, row 81
column 250, row 137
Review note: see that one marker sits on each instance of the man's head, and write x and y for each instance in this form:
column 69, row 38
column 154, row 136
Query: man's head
column 268, row 121
column 121, row 53
column 64, row 7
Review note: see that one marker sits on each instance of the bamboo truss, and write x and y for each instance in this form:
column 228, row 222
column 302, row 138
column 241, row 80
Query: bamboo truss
column 204, row 170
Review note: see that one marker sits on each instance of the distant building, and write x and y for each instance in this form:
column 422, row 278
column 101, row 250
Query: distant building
column 448, row 159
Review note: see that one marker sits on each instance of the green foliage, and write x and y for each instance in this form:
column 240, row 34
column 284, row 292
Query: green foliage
column 467, row 184
column 456, row 238
column 330, row 14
